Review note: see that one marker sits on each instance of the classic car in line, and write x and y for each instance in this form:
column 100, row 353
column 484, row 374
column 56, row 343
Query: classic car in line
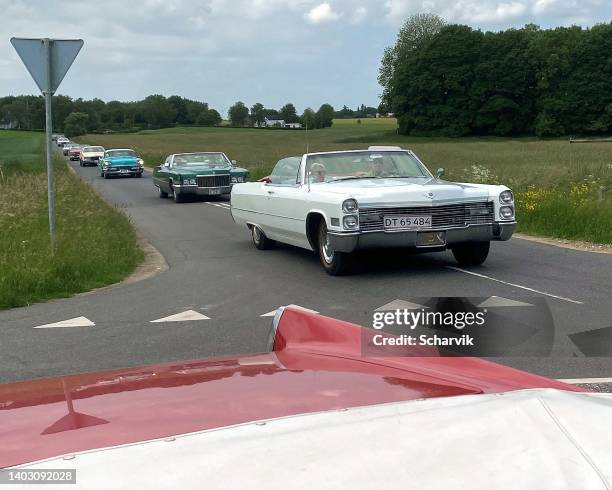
column 341, row 201
column 90, row 155
column 121, row 163
column 73, row 153
column 197, row 174
column 61, row 141
column 309, row 411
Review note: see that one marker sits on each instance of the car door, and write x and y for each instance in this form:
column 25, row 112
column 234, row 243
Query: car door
column 162, row 175
column 285, row 218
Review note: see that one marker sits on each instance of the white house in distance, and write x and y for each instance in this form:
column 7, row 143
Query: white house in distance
column 276, row 122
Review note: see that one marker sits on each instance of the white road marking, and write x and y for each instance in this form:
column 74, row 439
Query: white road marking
column 219, row 205
column 185, row 316
column 515, row 285
column 297, row 307
column 400, row 304
column 79, row 321
column 494, row 301
column 586, row 381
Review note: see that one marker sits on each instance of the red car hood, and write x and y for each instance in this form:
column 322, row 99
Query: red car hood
column 315, row 365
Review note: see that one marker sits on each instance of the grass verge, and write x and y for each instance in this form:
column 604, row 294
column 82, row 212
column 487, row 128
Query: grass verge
column 96, row 245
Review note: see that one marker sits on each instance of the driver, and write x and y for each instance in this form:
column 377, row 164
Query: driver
column 381, row 168
column 318, row 172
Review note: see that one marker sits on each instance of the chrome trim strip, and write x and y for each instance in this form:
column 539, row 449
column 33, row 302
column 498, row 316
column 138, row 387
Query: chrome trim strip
column 274, row 327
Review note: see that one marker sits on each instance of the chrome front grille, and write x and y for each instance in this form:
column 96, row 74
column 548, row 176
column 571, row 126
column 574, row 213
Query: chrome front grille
column 214, row 181
column 445, row 216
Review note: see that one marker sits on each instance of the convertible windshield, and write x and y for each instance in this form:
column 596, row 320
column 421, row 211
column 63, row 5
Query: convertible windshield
column 200, row 159
column 93, row 149
column 332, row 167
column 121, row 153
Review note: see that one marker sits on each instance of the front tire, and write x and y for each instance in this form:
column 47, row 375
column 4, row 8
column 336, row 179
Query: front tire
column 162, row 194
column 335, row 263
column 260, row 240
column 471, row 253
column 177, row 197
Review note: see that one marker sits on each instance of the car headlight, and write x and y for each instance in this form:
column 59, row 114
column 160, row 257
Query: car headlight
column 105, row 164
column 506, row 197
column 506, row 212
column 140, row 162
column 350, row 222
column 350, row 206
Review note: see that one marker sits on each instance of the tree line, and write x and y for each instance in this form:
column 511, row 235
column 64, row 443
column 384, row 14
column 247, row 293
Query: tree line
column 240, row 115
column 452, row 80
column 78, row 116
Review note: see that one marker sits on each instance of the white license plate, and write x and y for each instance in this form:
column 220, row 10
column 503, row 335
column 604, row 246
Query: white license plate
column 123, row 171
column 405, row 222
column 214, row 192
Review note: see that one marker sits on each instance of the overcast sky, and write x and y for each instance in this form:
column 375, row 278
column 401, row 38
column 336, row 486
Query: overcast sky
column 272, row 51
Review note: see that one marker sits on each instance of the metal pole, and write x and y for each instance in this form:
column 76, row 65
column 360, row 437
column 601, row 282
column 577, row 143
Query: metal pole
column 49, row 127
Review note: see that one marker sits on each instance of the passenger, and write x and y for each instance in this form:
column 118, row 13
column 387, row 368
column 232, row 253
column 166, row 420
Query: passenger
column 317, row 172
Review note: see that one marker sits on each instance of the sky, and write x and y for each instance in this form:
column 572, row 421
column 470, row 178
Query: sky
column 307, row 52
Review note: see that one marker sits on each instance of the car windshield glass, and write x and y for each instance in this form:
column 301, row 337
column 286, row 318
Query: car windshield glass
column 121, row 153
column 332, row 167
column 202, row 159
column 93, row 149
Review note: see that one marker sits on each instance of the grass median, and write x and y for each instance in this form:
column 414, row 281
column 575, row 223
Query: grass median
column 562, row 190
column 96, row 245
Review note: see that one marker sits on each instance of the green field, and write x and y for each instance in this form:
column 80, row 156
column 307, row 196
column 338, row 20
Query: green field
column 558, row 185
column 96, row 244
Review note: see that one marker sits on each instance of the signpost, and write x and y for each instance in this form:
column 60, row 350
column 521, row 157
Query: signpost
column 48, row 60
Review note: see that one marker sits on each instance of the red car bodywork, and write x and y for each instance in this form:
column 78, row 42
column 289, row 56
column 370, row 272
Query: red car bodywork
column 315, row 365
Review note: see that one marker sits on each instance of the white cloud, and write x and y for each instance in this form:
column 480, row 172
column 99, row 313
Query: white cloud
column 359, row 15
column 321, row 13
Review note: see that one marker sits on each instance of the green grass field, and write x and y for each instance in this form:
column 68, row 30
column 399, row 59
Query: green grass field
column 96, row 245
column 557, row 184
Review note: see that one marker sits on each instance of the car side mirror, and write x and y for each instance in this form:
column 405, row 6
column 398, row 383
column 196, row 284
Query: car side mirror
column 234, row 163
column 439, row 173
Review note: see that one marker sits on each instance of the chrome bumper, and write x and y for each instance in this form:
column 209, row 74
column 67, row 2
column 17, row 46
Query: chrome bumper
column 201, row 191
column 351, row 241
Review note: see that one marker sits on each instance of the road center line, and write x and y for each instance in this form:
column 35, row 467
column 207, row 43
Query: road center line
column 515, row 285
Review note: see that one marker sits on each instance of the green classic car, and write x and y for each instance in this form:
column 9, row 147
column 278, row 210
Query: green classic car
column 197, row 174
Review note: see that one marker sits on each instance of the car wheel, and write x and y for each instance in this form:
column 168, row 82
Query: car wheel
column 177, row 197
column 101, row 173
column 471, row 253
column 335, row 263
column 80, row 163
column 139, row 175
column 260, row 240
column 162, row 194
column 105, row 175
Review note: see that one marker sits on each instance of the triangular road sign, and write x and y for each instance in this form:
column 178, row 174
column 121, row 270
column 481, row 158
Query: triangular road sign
column 79, row 321
column 185, row 316
column 32, row 53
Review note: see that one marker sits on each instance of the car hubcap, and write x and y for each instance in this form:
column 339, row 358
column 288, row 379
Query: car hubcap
column 256, row 234
column 328, row 252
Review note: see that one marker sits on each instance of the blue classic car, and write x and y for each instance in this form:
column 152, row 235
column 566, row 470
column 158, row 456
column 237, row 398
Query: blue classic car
column 120, row 162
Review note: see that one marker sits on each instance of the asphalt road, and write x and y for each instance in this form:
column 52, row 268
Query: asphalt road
column 214, row 270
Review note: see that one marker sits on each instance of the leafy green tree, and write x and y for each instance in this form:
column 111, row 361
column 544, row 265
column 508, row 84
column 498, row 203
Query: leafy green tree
column 308, row 118
column 238, row 114
column 157, row 112
column 257, row 113
column 324, row 117
column 414, row 35
column 76, row 124
column 209, row 117
column 288, row 113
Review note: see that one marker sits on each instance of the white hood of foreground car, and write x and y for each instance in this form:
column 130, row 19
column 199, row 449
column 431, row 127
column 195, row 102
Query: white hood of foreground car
column 530, row 439
column 399, row 190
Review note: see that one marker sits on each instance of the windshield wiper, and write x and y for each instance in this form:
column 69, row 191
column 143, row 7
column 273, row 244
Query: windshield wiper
column 352, row 177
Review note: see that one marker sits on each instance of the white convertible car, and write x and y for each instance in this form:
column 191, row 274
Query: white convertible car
column 341, row 201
